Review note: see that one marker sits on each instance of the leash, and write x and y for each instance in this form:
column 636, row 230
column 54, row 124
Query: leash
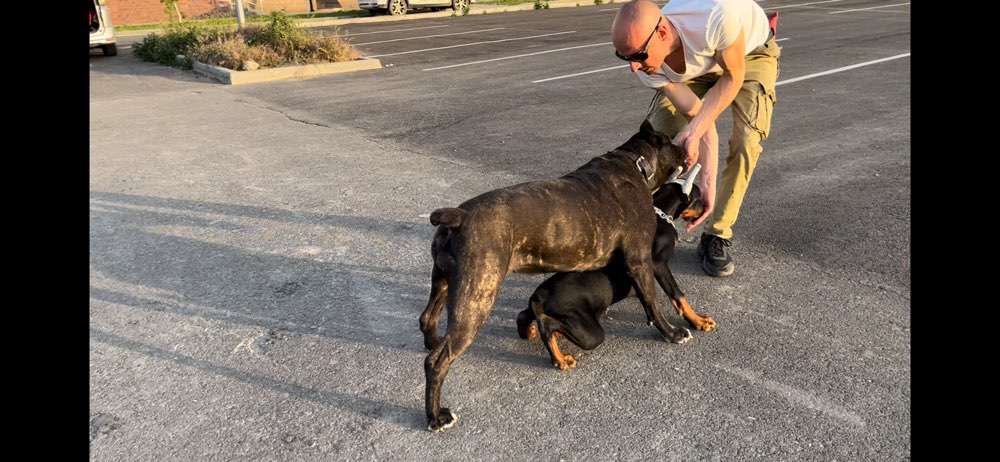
column 663, row 216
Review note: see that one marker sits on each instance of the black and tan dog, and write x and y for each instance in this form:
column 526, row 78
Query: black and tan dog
column 572, row 304
column 578, row 222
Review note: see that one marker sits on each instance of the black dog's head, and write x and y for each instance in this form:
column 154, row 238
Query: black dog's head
column 659, row 157
column 674, row 199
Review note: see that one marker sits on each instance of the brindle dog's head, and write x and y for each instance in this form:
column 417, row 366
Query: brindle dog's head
column 661, row 157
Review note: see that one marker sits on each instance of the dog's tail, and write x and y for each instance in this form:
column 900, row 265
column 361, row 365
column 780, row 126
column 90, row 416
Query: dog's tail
column 449, row 217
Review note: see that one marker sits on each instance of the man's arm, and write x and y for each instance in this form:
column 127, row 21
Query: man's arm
column 683, row 99
column 690, row 106
column 706, row 180
column 719, row 97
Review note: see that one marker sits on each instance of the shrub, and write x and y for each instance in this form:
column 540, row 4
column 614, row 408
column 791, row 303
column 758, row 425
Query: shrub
column 277, row 42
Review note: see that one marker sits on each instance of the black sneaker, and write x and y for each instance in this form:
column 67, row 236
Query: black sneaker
column 715, row 259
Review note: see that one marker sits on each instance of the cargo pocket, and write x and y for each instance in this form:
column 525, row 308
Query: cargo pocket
column 765, row 109
column 754, row 105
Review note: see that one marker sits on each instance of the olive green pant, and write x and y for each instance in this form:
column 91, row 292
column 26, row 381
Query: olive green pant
column 752, row 110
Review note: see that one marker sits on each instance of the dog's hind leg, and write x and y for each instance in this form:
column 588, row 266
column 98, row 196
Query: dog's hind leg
column 429, row 318
column 666, row 279
column 469, row 305
column 645, row 287
column 526, row 328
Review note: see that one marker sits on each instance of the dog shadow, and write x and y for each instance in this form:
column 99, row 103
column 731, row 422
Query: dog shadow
column 348, row 302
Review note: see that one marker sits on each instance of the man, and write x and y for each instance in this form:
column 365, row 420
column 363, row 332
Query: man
column 724, row 51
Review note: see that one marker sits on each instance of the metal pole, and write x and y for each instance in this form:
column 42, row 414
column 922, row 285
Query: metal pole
column 239, row 14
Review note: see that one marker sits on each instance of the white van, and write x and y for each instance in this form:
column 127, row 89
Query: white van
column 102, row 33
column 400, row 7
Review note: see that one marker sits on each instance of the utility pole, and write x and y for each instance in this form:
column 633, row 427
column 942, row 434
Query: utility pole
column 239, row 14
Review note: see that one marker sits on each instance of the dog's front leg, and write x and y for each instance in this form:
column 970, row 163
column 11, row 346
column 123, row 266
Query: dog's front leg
column 547, row 329
column 641, row 271
column 702, row 322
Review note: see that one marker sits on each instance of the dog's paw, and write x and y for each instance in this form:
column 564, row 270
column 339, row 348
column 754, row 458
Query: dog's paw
column 681, row 335
column 446, row 419
column 568, row 362
column 707, row 324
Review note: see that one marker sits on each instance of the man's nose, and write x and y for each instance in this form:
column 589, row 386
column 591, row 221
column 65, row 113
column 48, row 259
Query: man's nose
column 634, row 66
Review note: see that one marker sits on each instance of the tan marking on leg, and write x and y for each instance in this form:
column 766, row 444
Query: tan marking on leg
column 532, row 332
column 560, row 360
column 700, row 322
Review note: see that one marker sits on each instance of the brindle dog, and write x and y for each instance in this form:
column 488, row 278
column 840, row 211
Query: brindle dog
column 578, row 222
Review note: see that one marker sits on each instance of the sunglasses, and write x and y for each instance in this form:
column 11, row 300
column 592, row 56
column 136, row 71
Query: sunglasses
column 641, row 55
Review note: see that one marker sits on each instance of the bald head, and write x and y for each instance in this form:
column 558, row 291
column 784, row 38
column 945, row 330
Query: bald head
column 633, row 24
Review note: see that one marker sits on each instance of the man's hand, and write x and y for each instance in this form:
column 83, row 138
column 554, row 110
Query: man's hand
column 707, row 185
column 690, row 144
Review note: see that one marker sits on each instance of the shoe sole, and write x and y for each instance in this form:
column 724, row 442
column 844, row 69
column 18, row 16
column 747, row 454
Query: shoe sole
column 725, row 271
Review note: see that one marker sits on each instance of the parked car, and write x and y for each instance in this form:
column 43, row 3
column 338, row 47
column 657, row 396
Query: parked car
column 400, row 7
column 102, row 33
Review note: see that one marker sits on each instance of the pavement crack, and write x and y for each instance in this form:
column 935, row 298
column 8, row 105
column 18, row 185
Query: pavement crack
column 293, row 119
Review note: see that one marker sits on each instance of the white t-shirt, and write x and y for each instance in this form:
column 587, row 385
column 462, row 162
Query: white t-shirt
column 704, row 27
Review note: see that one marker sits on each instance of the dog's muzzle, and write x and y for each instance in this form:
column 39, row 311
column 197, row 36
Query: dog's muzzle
column 687, row 183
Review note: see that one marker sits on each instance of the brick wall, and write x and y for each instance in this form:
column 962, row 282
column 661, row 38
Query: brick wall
column 152, row 11
column 348, row 4
column 289, row 6
column 345, row 4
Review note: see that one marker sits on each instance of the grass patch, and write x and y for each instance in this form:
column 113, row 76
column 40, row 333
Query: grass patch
column 277, row 42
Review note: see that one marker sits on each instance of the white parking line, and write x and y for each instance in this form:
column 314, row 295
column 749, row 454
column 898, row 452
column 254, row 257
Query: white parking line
column 796, row 79
column 580, row 73
column 388, row 30
column 800, row 4
column 872, row 8
column 429, row 36
column 842, row 69
column 570, row 75
column 473, row 43
column 516, row 56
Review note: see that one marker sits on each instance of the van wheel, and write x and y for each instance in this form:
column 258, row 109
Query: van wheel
column 110, row 50
column 397, row 7
column 459, row 5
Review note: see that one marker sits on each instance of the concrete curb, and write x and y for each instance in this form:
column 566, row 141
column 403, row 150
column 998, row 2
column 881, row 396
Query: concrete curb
column 474, row 10
column 231, row 77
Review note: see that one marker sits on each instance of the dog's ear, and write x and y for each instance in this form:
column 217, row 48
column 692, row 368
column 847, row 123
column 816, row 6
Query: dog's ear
column 695, row 193
column 652, row 136
column 646, row 127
